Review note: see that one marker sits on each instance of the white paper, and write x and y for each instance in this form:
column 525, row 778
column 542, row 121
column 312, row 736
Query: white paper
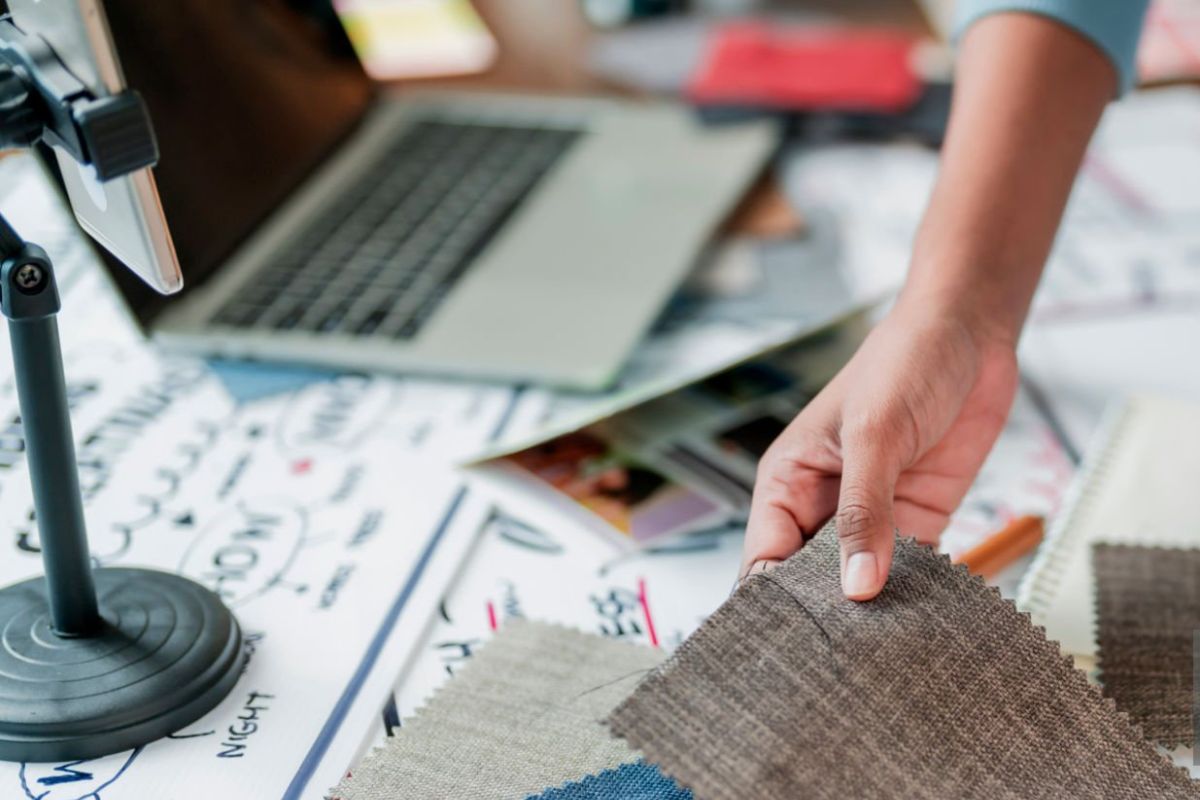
column 330, row 520
column 1128, row 245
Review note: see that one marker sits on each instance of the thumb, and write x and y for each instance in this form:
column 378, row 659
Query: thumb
column 864, row 515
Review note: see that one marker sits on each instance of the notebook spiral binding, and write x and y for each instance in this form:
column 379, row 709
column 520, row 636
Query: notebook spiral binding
column 1041, row 583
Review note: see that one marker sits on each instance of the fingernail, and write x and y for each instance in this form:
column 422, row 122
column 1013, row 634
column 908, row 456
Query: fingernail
column 762, row 565
column 860, row 576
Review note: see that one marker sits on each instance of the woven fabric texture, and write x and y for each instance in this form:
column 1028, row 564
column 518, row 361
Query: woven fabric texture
column 1147, row 608
column 937, row 688
column 636, row 781
column 524, row 715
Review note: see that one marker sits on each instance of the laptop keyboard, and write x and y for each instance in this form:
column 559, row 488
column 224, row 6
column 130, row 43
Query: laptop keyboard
column 379, row 261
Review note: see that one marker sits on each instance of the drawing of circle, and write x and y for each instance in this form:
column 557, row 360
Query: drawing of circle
column 336, row 415
column 167, row 653
column 247, row 550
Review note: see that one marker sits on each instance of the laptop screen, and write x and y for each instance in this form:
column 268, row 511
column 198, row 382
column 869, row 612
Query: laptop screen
column 247, row 98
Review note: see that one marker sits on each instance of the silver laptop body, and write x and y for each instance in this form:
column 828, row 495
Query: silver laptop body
column 560, row 295
column 320, row 218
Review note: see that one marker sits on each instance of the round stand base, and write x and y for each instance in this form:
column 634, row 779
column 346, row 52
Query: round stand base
column 167, row 652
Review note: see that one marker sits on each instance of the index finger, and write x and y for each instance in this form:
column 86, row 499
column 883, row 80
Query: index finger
column 790, row 503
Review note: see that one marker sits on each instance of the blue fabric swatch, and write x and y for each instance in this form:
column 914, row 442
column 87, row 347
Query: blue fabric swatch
column 635, row 781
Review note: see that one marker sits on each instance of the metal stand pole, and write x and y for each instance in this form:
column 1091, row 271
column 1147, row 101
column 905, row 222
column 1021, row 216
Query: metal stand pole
column 29, row 299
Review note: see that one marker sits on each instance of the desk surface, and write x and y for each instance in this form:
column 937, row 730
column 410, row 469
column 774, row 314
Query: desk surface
column 543, row 47
column 543, row 43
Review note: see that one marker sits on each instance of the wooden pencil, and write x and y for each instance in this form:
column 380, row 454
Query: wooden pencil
column 1004, row 547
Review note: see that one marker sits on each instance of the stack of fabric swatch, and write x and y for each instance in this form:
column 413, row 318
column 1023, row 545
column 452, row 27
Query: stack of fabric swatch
column 524, row 718
column 938, row 688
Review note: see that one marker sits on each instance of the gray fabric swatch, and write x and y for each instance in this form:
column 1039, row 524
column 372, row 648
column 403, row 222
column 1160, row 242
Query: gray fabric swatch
column 937, row 688
column 523, row 716
column 1147, row 608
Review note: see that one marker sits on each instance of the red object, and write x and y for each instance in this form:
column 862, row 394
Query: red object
column 491, row 609
column 645, row 604
column 807, row 68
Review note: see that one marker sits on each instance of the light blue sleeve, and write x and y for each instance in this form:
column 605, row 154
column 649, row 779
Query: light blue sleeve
column 1113, row 25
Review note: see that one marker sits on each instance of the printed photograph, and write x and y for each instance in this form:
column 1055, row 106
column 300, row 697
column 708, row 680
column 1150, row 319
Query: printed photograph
column 637, row 499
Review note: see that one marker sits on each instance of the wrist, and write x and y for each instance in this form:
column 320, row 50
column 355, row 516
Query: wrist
column 973, row 308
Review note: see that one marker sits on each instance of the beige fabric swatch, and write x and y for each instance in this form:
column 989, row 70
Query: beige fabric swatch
column 1147, row 609
column 523, row 716
column 938, row 688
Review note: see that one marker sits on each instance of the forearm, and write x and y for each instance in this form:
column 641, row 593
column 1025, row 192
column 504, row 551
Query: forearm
column 1028, row 95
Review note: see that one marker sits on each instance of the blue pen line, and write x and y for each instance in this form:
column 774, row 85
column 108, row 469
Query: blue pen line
column 334, row 723
column 309, row 765
column 506, row 417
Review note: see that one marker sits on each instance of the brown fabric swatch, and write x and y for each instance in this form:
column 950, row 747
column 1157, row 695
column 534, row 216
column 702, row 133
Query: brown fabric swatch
column 937, row 688
column 1147, row 607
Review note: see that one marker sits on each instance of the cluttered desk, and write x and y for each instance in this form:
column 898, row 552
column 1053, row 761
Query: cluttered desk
column 488, row 314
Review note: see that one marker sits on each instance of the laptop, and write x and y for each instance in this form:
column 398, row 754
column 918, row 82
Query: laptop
column 320, row 218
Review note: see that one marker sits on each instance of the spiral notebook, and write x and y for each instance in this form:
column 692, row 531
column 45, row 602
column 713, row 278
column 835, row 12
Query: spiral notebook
column 1140, row 484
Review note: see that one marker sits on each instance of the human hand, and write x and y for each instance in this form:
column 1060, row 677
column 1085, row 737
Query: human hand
column 894, row 441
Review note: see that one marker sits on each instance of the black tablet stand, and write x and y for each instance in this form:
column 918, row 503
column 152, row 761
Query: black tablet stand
column 92, row 661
